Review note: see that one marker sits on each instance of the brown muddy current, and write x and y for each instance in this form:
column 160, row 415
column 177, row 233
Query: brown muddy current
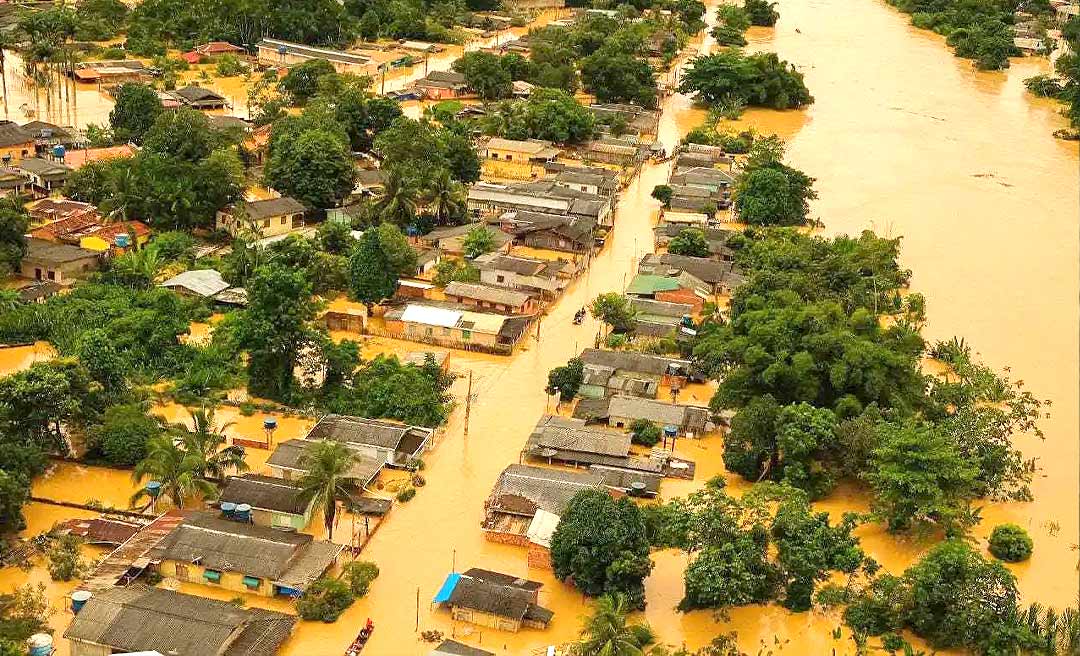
column 904, row 139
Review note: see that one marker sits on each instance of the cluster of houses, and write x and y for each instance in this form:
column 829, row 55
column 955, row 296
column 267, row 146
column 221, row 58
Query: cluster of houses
column 253, row 541
column 1035, row 36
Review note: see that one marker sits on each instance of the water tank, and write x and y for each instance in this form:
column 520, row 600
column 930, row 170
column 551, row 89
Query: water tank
column 671, row 431
column 79, row 599
column 242, row 512
column 281, row 50
column 153, row 488
column 123, row 240
column 59, row 152
column 39, row 644
column 269, row 423
column 228, row 509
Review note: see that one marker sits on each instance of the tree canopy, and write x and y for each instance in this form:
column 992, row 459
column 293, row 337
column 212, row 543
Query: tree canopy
column 761, row 79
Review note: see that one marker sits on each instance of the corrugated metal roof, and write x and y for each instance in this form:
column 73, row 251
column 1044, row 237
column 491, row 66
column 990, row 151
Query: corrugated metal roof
column 431, row 316
column 542, row 527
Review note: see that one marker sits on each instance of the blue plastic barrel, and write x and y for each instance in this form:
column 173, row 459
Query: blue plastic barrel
column 59, row 152
column 79, row 599
column 242, row 512
column 671, row 431
column 39, row 644
column 269, row 423
column 228, row 509
column 153, row 488
column 123, row 240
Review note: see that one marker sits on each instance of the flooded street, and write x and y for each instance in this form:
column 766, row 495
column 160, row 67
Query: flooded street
column 904, row 139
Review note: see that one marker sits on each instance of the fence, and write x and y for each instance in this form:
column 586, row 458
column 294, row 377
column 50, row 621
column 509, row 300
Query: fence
column 498, row 349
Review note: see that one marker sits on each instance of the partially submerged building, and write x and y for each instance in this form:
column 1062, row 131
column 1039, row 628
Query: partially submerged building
column 622, row 410
column 236, row 555
column 268, row 218
column 59, row 263
column 495, row 600
column 626, row 372
column 487, row 297
column 275, row 502
column 140, row 619
column 456, row 326
column 522, row 490
column 208, row 284
column 557, row 232
column 544, row 278
column 516, row 159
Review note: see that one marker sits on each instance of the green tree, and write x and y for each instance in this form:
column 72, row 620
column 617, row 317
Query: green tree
column 1010, row 543
column 36, row 404
column 761, row 79
column 175, row 468
column 275, row 327
column 14, row 493
column 124, row 434
column 325, row 600
column 773, row 196
column 761, row 12
column 313, row 166
column 478, row 241
column 400, row 198
column 137, row 107
column 662, row 193
column 446, row 199
column 185, row 134
column 326, row 479
column 208, row 442
column 615, row 77
column 302, row 81
column 918, row 476
column 566, row 380
column 14, row 225
column 360, row 574
column 607, row 631
column 690, row 242
column 381, row 257
column 645, row 432
column 385, row 388
column 65, row 559
column 485, row 74
column 335, row 238
column 808, row 548
column 600, row 544
column 615, row 310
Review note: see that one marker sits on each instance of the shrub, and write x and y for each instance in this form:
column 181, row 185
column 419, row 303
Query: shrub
column 325, row 600
column 1010, row 543
column 406, row 495
column 359, row 575
column 65, row 561
column 644, row 432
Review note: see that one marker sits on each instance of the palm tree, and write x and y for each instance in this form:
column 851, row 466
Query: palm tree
column 446, row 199
column 175, row 468
column 398, row 202
column 206, row 441
column 327, row 480
column 607, row 633
column 139, row 267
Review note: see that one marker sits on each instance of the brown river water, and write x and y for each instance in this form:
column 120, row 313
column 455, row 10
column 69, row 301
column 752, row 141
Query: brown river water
column 904, row 139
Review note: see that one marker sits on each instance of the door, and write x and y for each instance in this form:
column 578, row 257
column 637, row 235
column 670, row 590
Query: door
column 181, row 572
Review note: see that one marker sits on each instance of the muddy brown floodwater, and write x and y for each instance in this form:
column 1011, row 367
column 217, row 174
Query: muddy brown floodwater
column 904, row 139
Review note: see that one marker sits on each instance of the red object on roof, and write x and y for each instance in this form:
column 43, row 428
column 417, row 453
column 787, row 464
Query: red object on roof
column 191, row 57
column 217, row 48
column 136, row 229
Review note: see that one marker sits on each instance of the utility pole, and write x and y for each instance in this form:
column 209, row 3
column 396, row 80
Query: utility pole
column 417, row 608
column 468, row 403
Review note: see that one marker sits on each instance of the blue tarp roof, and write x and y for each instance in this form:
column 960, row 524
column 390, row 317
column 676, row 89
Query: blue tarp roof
column 443, row 595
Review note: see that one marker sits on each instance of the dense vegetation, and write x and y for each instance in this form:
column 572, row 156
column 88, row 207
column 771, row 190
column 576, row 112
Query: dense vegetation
column 1065, row 84
column 762, row 79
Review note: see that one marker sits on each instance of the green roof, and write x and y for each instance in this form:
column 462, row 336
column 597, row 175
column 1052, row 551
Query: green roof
column 645, row 284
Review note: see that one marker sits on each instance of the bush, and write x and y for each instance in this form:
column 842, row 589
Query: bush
column 123, row 435
column 65, row 560
column 1010, row 543
column 325, row 600
column 229, row 65
column 359, row 575
column 406, row 495
column 644, row 432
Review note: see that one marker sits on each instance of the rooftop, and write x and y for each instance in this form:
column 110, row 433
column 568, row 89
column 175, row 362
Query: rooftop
column 509, row 297
column 204, row 282
column 262, row 209
column 265, row 493
column 522, row 489
column 370, row 432
column 138, row 618
column 644, row 363
column 561, row 433
column 39, row 250
column 290, row 455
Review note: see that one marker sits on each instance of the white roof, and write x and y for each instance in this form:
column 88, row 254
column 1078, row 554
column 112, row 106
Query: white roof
column 205, row 282
column 542, row 527
column 431, row 316
column 416, row 284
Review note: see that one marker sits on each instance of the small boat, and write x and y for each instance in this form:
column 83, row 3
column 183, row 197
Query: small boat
column 579, row 317
column 361, row 639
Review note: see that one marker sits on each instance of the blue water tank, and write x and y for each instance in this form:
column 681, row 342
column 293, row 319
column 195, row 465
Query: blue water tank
column 671, row 431
column 269, row 423
column 59, row 152
column 79, row 599
column 228, row 509
column 39, row 644
column 153, row 488
column 123, row 240
column 242, row 513
column 281, row 50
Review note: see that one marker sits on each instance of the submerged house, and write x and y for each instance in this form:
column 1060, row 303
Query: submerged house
column 59, row 263
column 286, row 54
column 387, row 442
column 516, row 159
column 451, row 240
column 239, row 556
column 626, row 372
column 495, row 600
column 522, row 490
column 556, row 232
column 288, row 462
column 531, row 275
column 269, row 218
column 198, row 97
column 208, row 284
column 486, row 297
column 689, row 420
column 154, row 620
column 275, row 502
column 442, row 85
column 456, row 327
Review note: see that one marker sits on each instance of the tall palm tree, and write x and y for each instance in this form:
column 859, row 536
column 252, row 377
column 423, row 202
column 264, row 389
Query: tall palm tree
column 175, row 468
column 207, row 442
column 607, row 633
column 446, row 199
column 327, row 480
column 139, row 267
column 399, row 200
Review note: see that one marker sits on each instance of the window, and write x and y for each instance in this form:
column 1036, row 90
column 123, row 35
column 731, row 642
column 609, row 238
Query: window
column 494, row 155
column 252, row 583
column 266, row 223
column 500, row 279
column 284, row 219
column 52, row 274
column 212, row 576
column 509, row 157
column 466, row 335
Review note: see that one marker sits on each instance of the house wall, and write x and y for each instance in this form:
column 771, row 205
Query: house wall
column 503, row 308
column 80, row 648
column 539, row 557
column 269, row 227
column 65, row 273
column 233, row 581
column 485, row 619
column 515, row 281
column 506, row 538
column 447, row 336
column 269, row 56
column 273, row 519
column 552, row 242
column 499, row 163
column 18, row 151
column 93, row 243
column 439, row 93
